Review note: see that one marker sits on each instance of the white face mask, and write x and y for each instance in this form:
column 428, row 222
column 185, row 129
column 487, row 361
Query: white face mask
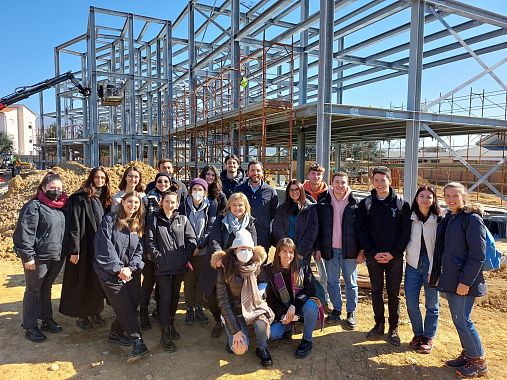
column 197, row 195
column 244, row 255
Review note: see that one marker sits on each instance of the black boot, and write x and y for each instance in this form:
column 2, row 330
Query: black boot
column 84, row 323
column 138, row 351
column 144, row 318
column 174, row 334
column 303, row 349
column 263, row 354
column 166, row 341
column 119, row 339
column 35, row 335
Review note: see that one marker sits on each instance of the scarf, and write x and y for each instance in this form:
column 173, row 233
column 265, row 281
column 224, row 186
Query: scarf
column 252, row 305
column 296, row 285
column 60, row 203
column 233, row 224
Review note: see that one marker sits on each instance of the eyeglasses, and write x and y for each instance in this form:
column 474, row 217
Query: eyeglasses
column 296, row 190
column 162, row 181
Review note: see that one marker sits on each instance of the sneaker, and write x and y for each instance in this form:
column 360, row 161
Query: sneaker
column 350, row 322
column 263, row 354
column 426, row 346
column 415, row 343
column 201, row 316
column 304, row 349
column 376, row 332
column 119, row 339
column 138, row 351
column 51, row 327
column 474, row 367
column 190, row 317
column 334, row 317
column 35, row 335
column 84, row 323
column 460, row 361
column 217, row 330
column 393, row 337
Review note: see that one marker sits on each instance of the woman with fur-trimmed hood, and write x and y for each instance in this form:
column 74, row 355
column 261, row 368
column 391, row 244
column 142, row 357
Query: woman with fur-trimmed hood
column 238, row 296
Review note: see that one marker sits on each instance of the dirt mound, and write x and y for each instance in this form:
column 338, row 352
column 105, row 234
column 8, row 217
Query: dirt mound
column 23, row 187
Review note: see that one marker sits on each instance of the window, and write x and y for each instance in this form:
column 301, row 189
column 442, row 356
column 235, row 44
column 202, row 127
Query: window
column 30, row 125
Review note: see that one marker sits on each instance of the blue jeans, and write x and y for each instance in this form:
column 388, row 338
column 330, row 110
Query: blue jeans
column 260, row 328
column 461, row 309
column 310, row 315
column 415, row 279
column 333, row 268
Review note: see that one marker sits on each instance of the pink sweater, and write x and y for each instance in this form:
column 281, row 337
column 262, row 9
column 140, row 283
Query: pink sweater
column 338, row 208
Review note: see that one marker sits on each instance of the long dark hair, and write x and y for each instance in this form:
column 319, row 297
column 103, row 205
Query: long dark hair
column 123, row 183
column 277, row 264
column 134, row 223
column 48, row 178
column 434, row 208
column 89, row 188
column 214, row 188
column 288, row 199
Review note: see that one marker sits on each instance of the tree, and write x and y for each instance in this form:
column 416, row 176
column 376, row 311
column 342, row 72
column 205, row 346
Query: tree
column 6, row 143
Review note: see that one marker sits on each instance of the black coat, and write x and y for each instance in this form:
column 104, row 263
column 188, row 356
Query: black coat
column 221, row 201
column 115, row 249
column 228, row 185
column 307, row 227
column 82, row 294
column 39, row 232
column 182, row 189
column 169, row 242
column 219, row 239
column 273, row 296
column 383, row 228
column 350, row 242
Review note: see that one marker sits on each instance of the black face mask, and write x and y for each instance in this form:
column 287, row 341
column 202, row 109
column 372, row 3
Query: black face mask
column 53, row 194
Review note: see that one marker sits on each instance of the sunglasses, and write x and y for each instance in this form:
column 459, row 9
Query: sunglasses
column 162, row 181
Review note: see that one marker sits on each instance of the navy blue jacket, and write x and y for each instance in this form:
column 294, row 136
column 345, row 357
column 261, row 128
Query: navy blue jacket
column 228, row 185
column 459, row 253
column 263, row 203
column 115, row 249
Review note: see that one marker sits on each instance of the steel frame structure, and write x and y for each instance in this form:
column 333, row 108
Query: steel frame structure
column 330, row 57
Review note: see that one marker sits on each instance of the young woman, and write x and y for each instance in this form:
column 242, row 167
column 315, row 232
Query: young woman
column 38, row 241
column 82, row 296
column 291, row 294
column 457, row 269
column 297, row 219
column 236, row 217
column 118, row 263
column 152, row 204
column 131, row 180
column 170, row 242
column 419, row 255
column 215, row 188
column 239, row 298
column 201, row 213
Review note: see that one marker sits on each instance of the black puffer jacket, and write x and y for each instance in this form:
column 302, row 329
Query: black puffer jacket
column 229, row 292
column 182, row 189
column 307, row 227
column 169, row 242
column 350, row 242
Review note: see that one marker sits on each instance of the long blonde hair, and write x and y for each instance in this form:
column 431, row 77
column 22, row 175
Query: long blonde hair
column 136, row 222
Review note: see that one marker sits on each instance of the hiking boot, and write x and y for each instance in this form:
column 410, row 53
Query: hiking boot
column 304, row 349
column 393, row 337
column 460, row 361
column 190, row 316
column 350, row 322
column 426, row 346
column 217, row 330
column 376, row 332
column 474, row 367
column 98, row 321
column 200, row 316
column 174, row 334
column 35, row 335
column 263, row 354
column 51, row 326
column 166, row 341
column 144, row 318
column 334, row 317
column 119, row 339
column 415, row 343
column 84, row 323
column 138, row 351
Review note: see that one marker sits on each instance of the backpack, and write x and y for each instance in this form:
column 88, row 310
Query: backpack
column 493, row 258
column 399, row 203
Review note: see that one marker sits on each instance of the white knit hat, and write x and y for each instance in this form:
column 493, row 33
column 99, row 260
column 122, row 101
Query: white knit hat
column 243, row 239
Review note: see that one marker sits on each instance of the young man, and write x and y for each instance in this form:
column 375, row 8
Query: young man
column 383, row 227
column 232, row 175
column 314, row 187
column 165, row 166
column 338, row 245
column 263, row 200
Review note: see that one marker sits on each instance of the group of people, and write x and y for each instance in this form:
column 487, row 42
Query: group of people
column 215, row 238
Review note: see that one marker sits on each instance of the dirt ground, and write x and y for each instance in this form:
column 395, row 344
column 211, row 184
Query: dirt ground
column 337, row 353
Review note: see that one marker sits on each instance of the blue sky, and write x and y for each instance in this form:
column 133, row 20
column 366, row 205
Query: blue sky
column 31, row 29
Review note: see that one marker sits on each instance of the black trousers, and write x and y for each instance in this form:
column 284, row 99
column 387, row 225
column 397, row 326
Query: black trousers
column 213, row 305
column 37, row 297
column 393, row 274
column 124, row 299
column 148, row 283
column 192, row 290
column 169, row 288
